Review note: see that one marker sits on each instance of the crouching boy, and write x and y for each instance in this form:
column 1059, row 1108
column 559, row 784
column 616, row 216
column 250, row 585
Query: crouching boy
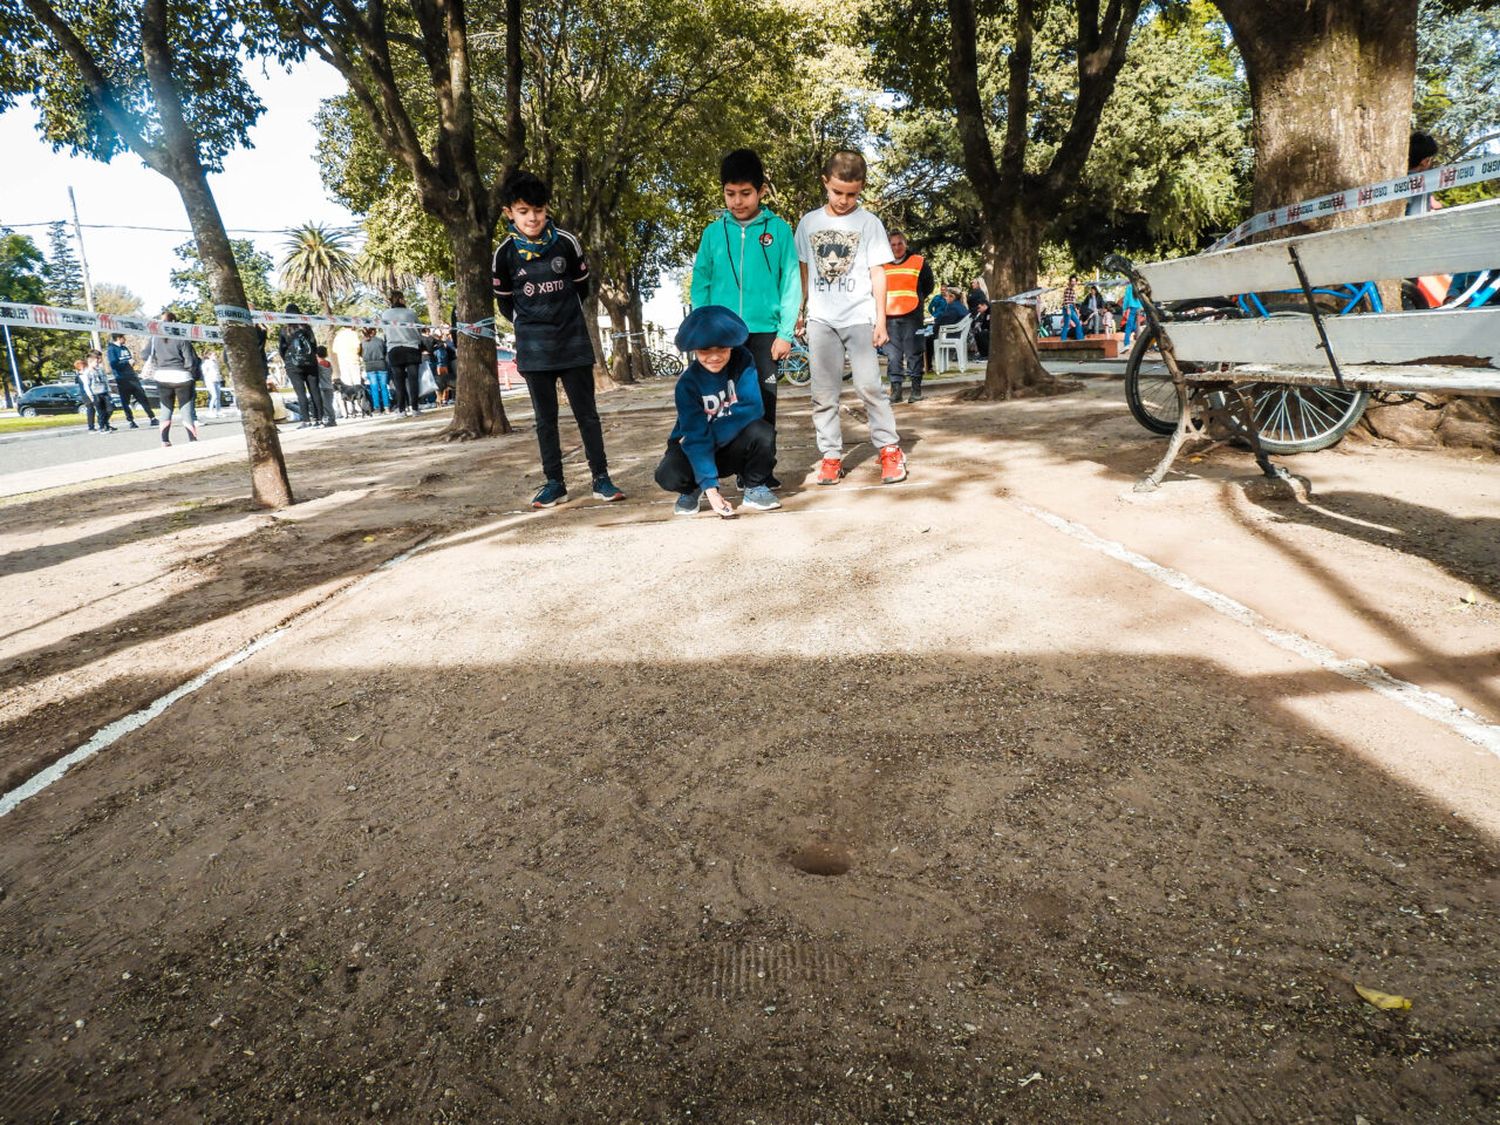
column 721, row 428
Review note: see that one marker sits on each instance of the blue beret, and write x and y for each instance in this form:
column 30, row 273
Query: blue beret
column 712, row 326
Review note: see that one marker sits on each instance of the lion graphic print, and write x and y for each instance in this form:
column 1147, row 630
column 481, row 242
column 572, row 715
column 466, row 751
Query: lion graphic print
column 834, row 251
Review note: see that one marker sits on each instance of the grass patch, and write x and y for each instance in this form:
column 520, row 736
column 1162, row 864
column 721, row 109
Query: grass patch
column 13, row 424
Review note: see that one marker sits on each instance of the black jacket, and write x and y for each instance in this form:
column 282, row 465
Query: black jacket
column 543, row 298
column 284, row 340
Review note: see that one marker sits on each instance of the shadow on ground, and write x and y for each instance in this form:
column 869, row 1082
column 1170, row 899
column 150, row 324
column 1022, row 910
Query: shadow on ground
column 1072, row 888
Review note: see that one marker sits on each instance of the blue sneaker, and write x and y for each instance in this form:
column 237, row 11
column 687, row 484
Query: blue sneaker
column 687, row 504
column 604, row 489
column 761, row 498
column 551, row 493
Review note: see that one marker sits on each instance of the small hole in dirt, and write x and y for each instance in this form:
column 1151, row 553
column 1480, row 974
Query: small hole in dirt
column 821, row 859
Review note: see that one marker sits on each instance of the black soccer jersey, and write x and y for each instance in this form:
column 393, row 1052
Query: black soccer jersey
column 543, row 297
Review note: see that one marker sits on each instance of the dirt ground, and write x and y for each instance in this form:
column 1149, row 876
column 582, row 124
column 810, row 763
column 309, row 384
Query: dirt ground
column 897, row 805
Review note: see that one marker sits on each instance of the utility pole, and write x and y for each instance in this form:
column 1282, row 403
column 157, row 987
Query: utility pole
column 15, row 372
column 83, row 259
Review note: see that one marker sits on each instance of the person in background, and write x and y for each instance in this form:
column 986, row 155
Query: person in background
column 1421, row 151
column 1093, row 311
column 373, row 354
column 213, row 377
column 442, row 363
column 85, row 400
column 96, row 386
column 345, row 351
column 978, row 301
column 1130, row 305
column 299, row 356
column 119, row 360
column 1070, row 319
column 324, row 388
column 172, row 361
column 403, row 352
column 908, row 282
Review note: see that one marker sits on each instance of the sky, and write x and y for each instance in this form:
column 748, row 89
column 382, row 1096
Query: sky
column 271, row 186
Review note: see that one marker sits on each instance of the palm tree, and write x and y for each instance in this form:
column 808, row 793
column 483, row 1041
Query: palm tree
column 318, row 261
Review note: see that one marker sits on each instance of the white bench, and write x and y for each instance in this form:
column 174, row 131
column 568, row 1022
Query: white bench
column 1213, row 362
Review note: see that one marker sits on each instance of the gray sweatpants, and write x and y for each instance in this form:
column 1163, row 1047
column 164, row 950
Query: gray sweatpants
column 827, row 347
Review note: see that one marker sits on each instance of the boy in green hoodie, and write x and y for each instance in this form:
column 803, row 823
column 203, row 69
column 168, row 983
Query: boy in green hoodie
column 747, row 262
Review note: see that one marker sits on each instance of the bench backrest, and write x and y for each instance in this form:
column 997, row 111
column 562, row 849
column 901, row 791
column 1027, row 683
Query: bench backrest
column 1452, row 240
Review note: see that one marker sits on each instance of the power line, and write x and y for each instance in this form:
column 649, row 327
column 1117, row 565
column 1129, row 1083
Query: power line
column 174, row 230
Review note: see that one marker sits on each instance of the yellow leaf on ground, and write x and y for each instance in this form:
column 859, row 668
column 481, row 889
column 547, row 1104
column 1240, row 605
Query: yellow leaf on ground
column 1385, row 1000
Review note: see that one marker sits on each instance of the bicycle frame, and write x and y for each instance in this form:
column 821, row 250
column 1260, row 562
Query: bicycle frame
column 1348, row 296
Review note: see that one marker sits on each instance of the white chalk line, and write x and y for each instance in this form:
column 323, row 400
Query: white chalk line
column 1429, row 704
column 108, row 735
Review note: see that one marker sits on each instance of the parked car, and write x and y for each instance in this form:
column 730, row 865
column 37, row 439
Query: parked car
column 51, row 398
column 505, row 366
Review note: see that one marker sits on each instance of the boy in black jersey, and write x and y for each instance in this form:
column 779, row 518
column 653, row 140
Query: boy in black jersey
column 541, row 278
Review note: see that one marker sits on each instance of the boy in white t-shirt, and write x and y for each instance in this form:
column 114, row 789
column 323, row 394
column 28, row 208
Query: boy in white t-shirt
column 842, row 248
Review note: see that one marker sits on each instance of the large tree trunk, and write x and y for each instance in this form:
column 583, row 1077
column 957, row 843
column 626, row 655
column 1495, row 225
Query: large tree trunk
column 1331, row 90
column 638, row 341
column 270, row 487
column 478, row 410
column 1011, row 253
column 617, row 306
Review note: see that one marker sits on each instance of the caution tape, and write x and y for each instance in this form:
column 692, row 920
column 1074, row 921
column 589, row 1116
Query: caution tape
column 78, row 320
column 1476, row 171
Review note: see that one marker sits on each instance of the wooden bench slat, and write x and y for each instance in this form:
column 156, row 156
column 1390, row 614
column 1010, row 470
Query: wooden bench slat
column 1409, row 337
column 1453, row 240
column 1432, row 379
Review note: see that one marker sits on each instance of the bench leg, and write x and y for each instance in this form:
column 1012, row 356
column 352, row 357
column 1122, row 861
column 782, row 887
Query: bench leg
column 1252, row 432
column 1186, row 427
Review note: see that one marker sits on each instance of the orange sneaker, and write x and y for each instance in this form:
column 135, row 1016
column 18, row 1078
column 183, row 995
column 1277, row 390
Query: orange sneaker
column 831, row 471
column 892, row 465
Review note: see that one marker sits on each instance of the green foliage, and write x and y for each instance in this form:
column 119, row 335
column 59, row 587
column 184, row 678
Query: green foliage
column 1458, row 86
column 319, row 261
column 63, row 272
column 1170, row 164
column 195, row 300
column 41, row 355
column 209, row 40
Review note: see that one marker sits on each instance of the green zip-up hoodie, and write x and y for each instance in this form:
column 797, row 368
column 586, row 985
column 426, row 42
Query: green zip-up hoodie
column 752, row 270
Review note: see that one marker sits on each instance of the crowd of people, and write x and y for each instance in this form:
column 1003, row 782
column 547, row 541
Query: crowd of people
column 367, row 371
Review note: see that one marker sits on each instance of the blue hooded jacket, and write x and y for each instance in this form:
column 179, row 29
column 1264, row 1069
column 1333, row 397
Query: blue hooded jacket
column 712, row 410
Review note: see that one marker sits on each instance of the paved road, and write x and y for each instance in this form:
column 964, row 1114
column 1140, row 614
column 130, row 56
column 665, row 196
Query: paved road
column 68, row 445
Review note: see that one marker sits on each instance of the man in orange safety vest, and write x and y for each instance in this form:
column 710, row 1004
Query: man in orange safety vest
column 908, row 284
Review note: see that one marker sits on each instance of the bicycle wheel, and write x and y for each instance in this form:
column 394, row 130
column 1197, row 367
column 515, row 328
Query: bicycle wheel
column 1149, row 390
column 664, row 364
column 1295, row 419
column 795, row 369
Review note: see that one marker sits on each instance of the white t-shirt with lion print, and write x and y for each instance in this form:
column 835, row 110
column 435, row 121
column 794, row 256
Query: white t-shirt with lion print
column 840, row 251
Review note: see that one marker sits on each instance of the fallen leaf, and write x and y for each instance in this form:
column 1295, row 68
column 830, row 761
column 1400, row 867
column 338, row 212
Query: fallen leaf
column 1384, row 1000
column 356, row 738
column 343, row 703
column 1469, row 597
column 369, row 539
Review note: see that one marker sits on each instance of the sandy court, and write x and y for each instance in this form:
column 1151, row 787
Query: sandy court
column 898, row 804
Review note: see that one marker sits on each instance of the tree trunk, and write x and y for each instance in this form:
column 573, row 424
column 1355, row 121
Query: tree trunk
column 432, row 293
column 638, row 341
column 617, row 306
column 478, row 410
column 1331, row 91
column 602, row 380
column 1011, row 252
column 177, row 159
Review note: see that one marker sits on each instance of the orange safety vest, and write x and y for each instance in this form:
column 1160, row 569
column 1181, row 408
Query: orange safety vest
column 901, row 285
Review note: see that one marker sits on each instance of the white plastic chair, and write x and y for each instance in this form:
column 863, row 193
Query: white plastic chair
column 952, row 338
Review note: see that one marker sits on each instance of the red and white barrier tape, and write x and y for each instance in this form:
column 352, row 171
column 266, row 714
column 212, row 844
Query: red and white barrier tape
column 1475, row 171
column 78, row 320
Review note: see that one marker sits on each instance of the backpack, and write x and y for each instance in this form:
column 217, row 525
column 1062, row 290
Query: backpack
column 299, row 349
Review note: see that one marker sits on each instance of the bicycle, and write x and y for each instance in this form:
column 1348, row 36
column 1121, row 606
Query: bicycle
column 660, row 362
column 1291, row 419
column 795, row 368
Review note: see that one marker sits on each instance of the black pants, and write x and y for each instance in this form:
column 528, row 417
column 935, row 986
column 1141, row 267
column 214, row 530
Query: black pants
column 578, row 385
column 752, row 455
column 301, row 379
column 87, row 402
column 130, row 388
column 904, row 351
column 759, row 344
column 103, row 408
column 406, row 379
